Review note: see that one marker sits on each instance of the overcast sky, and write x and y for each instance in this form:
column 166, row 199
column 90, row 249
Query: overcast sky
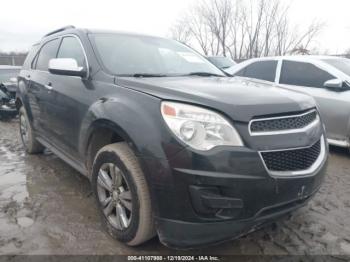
column 23, row 22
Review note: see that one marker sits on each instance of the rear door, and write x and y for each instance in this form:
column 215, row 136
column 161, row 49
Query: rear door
column 333, row 105
column 38, row 93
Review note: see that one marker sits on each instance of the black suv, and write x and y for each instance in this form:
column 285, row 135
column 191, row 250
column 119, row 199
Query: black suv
column 171, row 145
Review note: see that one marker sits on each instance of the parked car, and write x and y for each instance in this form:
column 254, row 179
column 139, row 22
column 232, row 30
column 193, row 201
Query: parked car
column 171, row 145
column 326, row 78
column 8, row 87
column 222, row 62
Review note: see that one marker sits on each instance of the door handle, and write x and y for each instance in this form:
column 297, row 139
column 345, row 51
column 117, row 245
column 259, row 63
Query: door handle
column 48, row 86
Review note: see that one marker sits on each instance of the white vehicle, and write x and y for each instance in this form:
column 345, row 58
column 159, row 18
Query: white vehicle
column 326, row 78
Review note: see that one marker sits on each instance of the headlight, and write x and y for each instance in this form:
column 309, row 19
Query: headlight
column 200, row 128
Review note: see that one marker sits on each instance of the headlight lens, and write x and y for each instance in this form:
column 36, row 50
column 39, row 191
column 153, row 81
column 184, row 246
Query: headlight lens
column 200, row 128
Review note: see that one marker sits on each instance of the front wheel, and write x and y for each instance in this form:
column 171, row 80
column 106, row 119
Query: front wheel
column 31, row 145
column 122, row 195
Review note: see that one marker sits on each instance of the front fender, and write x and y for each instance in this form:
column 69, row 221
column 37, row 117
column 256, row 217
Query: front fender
column 137, row 118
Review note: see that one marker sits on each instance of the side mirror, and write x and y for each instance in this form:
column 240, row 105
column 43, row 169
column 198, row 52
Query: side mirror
column 66, row 66
column 334, row 84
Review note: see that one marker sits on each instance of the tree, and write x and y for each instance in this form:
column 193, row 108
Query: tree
column 181, row 32
column 244, row 28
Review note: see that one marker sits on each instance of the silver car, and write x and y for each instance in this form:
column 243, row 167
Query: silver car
column 326, row 78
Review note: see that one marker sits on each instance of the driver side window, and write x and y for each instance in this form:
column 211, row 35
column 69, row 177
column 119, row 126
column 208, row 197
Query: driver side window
column 303, row 74
column 71, row 48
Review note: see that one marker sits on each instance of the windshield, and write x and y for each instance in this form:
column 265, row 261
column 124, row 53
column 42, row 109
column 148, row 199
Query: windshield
column 6, row 74
column 341, row 64
column 134, row 55
column 222, row 62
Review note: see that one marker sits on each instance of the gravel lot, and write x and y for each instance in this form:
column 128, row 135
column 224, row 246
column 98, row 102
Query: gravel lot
column 47, row 208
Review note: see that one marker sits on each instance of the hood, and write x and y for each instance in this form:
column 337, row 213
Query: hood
column 238, row 98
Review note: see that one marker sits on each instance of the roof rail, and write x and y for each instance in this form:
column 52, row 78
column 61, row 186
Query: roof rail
column 60, row 30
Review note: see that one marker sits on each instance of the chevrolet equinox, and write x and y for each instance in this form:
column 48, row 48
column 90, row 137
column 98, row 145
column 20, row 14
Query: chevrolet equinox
column 171, row 145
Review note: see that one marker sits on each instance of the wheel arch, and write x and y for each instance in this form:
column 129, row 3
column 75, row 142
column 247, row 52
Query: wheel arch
column 101, row 133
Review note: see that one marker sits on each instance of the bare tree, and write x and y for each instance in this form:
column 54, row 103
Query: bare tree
column 201, row 32
column 244, row 29
column 181, row 32
column 217, row 15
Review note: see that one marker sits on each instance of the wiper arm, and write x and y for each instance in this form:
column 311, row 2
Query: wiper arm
column 203, row 74
column 148, row 75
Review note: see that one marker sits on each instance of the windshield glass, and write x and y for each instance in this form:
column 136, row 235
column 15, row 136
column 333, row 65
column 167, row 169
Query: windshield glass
column 222, row 62
column 129, row 55
column 6, row 74
column 341, row 64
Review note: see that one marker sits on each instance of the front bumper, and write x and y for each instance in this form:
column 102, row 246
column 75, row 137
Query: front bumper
column 203, row 198
column 181, row 234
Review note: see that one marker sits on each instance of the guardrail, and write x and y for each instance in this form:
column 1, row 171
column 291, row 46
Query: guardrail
column 14, row 60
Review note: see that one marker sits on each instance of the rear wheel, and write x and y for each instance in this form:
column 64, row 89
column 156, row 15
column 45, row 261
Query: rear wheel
column 122, row 195
column 31, row 145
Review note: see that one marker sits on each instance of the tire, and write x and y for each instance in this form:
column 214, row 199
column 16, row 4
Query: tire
column 30, row 144
column 133, row 223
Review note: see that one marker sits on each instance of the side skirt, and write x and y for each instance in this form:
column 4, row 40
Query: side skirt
column 69, row 160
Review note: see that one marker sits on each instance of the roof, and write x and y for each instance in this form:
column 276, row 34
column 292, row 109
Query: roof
column 71, row 29
column 296, row 58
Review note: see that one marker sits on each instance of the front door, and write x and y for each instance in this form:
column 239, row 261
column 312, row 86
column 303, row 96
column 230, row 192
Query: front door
column 69, row 97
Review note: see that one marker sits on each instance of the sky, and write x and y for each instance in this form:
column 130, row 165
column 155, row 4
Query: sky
column 24, row 22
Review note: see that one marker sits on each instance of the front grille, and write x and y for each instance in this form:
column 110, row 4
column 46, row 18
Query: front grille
column 283, row 123
column 292, row 160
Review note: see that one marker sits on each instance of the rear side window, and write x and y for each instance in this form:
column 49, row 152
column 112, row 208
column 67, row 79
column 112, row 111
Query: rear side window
column 263, row 70
column 47, row 52
column 71, row 48
column 30, row 57
column 303, row 74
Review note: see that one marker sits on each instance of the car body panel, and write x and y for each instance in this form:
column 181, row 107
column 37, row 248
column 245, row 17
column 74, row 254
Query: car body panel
column 224, row 94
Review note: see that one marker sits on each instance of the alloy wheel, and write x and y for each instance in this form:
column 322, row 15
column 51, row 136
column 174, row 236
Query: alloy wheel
column 114, row 195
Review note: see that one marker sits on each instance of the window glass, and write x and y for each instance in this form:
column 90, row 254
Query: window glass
column 33, row 64
column 124, row 54
column 71, row 48
column 263, row 70
column 28, row 62
column 47, row 52
column 303, row 74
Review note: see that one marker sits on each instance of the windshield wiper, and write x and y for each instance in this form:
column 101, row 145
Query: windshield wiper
column 148, row 75
column 203, row 74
